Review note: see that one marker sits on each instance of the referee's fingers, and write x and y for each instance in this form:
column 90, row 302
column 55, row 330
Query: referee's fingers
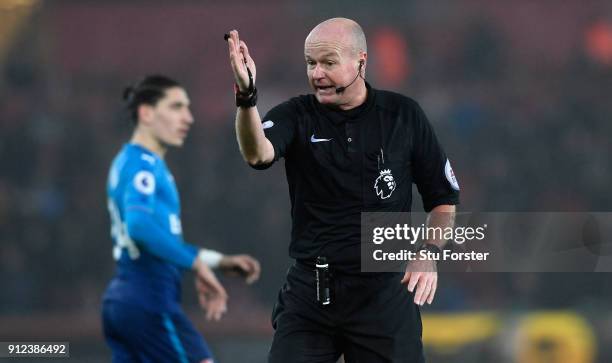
column 244, row 50
column 420, row 289
column 434, row 287
column 233, row 43
column 247, row 57
column 231, row 47
column 414, row 279
column 406, row 277
column 426, row 290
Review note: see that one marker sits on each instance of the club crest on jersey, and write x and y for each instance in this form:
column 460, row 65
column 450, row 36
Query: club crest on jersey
column 144, row 182
column 385, row 184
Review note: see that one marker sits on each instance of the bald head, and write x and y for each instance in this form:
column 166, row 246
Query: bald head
column 336, row 59
column 342, row 31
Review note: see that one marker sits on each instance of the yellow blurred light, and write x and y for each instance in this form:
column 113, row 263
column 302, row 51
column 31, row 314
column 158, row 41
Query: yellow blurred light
column 452, row 331
column 559, row 337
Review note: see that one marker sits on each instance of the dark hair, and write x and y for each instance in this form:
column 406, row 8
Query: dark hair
column 148, row 91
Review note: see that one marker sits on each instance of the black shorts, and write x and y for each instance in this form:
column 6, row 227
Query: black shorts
column 372, row 319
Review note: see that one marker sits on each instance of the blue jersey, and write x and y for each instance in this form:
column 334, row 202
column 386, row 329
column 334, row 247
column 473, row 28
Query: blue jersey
column 145, row 212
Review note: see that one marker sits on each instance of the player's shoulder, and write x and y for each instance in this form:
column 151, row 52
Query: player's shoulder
column 137, row 158
column 142, row 168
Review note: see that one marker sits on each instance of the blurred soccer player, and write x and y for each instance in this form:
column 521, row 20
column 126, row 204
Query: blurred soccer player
column 142, row 317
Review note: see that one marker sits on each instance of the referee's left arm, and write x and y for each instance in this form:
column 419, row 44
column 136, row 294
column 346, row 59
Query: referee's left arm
column 439, row 189
column 442, row 216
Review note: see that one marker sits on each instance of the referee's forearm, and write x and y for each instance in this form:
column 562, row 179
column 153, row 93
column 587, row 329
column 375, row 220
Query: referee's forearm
column 442, row 216
column 251, row 138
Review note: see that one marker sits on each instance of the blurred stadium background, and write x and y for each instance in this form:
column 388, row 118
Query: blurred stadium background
column 518, row 92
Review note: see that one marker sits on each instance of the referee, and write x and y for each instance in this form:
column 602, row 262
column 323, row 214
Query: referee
column 348, row 148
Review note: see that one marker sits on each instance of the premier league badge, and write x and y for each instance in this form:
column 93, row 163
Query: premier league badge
column 385, row 184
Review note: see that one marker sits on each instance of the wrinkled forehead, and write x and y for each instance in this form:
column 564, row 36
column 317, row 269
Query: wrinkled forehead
column 327, row 50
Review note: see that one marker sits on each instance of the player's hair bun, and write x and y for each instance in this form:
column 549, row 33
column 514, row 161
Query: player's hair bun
column 128, row 93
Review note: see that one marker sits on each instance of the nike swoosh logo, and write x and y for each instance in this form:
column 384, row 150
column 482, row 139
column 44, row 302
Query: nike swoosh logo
column 314, row 139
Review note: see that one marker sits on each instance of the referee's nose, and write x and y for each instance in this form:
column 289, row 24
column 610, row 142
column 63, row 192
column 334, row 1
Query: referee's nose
column 318, row 73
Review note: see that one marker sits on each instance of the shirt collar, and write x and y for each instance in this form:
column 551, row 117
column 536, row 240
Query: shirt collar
column 340, row 116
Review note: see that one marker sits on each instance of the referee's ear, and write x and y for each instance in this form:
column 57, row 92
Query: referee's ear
column 363, row 60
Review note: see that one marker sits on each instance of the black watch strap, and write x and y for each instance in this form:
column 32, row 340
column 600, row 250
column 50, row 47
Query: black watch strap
column 249, row 98
column 430, row 247
column 246, row 100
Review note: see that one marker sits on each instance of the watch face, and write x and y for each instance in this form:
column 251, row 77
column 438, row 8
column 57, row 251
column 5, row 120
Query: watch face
column 430, row 247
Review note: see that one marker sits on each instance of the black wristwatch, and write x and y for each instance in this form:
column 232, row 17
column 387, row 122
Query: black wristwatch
column 246, row 99
column 249, row 98
column 430, row 247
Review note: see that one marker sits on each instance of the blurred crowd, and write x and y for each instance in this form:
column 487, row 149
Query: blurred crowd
column 518, row 95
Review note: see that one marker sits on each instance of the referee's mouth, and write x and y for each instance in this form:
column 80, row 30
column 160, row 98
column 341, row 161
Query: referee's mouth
column 325, row 89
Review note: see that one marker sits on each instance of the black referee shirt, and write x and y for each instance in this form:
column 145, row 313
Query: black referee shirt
column 342, row 163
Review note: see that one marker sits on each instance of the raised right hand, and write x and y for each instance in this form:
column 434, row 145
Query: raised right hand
column 239, row 60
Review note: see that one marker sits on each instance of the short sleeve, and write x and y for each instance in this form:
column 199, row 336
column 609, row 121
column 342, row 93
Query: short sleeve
column 432, row 170
column 279, row 127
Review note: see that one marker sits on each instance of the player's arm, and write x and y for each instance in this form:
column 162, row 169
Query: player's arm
column 241, row 265
column 142, row 228
column 141, row 224
column 255, row 148
column 211, row 295
column 146, row 232
column 145, row 229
